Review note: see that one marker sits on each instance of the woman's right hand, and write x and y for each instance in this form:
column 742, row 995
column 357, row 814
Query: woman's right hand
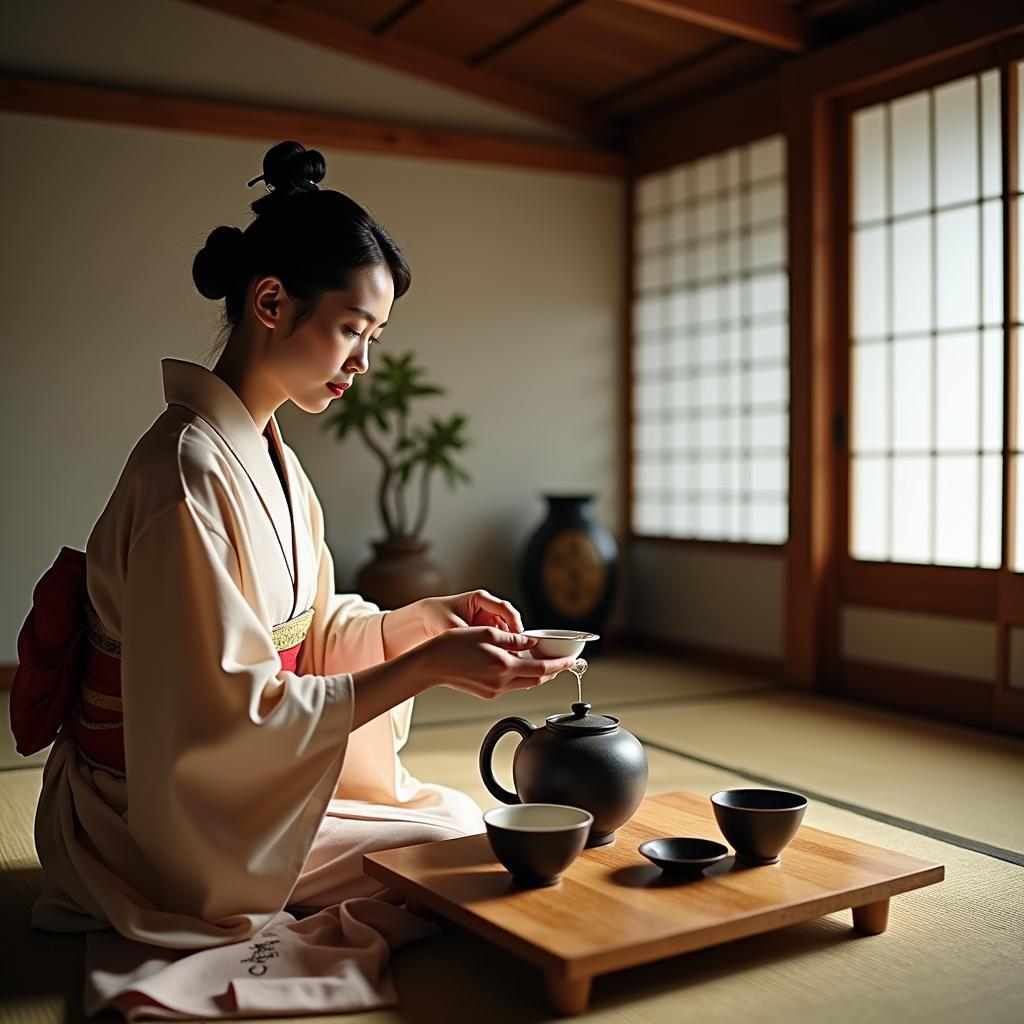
column 484, row 661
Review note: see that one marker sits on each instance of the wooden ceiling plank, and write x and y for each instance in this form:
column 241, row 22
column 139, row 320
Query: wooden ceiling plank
column 90, row 102
column 600, row 47
column 613, row 100
column 366, row 15
column 461, row 30
column 533, row 25
column 722, row 70
column 768, row 22
column 395, row 16
column 320, row 27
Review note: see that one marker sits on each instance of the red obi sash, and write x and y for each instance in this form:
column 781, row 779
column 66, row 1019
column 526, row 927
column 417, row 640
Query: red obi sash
column 69, row 670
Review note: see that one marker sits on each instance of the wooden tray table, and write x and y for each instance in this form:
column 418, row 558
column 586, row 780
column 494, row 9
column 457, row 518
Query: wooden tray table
column 614, row 909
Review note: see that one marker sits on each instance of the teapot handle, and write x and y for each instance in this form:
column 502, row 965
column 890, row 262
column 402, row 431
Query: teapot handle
column 519, row 725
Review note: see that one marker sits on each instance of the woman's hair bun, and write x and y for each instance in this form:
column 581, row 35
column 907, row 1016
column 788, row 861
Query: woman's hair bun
column 312, row 240
column 219, row 263
column 288, row 168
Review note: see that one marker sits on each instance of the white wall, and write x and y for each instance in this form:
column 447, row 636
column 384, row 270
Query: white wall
column 515, row 309
column 515, row 306
column 730, row 600
column 934, row 643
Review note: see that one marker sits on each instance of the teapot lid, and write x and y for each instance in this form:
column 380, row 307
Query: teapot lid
column 581, row 722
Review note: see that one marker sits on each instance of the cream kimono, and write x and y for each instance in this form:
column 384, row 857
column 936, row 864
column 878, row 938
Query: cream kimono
column 245, row 789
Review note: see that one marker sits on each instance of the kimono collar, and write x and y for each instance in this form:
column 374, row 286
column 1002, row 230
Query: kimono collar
column 204, row 393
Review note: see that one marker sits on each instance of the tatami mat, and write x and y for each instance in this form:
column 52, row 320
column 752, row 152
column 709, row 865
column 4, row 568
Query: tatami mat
column 9, row 756
column 40, row 972
column 951, row 779
column 952, row 952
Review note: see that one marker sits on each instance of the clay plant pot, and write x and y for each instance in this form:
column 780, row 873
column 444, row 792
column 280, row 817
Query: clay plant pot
column 399, row 574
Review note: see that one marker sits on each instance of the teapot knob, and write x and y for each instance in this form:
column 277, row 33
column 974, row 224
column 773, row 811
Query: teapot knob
column 580, row 710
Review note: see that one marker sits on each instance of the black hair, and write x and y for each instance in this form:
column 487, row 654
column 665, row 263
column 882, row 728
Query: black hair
column 313, row 239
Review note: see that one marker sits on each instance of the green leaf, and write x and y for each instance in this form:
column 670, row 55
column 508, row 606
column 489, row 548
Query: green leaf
column 385, row 397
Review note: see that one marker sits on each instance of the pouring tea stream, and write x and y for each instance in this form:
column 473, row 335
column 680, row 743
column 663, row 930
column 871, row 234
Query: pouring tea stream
column 578, row 759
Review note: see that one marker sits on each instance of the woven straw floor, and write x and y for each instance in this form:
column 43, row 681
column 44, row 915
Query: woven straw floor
column 952, row 952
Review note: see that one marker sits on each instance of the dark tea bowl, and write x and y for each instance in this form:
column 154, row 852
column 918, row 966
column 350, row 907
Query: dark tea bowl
column 759, row 823
column 537, row 842
column 683, row 855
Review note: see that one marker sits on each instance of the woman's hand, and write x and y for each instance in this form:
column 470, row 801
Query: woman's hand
column 483, row 660
column 473, row 608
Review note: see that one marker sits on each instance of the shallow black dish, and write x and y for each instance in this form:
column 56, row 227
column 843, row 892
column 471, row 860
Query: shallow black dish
column 683, row 855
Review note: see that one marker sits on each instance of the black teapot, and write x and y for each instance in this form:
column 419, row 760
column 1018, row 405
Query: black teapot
column 578, row 759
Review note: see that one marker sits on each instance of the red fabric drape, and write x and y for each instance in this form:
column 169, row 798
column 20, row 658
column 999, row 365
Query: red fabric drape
column 51, row 648
column 56, row 658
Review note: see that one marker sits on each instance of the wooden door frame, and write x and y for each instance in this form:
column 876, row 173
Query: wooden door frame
column 817, row 91
column 1008, row 703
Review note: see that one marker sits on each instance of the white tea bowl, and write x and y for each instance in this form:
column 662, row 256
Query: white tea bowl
column 558, row 643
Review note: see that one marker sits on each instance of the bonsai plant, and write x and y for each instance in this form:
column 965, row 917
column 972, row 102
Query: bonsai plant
column 377, row 408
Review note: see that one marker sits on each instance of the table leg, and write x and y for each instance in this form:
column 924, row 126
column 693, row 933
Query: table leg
column 568, row 997
column 872, row 918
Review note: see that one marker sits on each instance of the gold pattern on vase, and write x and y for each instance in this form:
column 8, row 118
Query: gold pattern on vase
column 573, row 573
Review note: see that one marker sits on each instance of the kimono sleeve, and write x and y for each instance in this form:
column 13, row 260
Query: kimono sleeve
column 347, row 634
column 223, row 798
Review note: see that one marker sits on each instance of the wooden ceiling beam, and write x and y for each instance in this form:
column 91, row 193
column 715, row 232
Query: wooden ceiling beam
column 395, row 17
column 214, row 117
column 768, row 22
column 315, row 25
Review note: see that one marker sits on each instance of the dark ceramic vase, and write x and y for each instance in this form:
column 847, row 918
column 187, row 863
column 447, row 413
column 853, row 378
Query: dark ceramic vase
column 569, row 568
column 578, row 759
column 400, row 573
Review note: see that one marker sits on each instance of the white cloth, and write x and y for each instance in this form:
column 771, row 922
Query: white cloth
column 244, row 783
column 331, row 961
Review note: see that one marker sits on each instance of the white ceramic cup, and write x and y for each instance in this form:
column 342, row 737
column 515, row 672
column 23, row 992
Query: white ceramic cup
column 558, row 643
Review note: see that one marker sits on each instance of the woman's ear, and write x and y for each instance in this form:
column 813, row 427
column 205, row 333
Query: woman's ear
column 268, row 300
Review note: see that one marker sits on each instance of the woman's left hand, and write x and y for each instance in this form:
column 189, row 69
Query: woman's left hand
column 473, row 608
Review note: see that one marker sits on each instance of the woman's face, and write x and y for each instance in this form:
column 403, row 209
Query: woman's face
column 332, row 345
